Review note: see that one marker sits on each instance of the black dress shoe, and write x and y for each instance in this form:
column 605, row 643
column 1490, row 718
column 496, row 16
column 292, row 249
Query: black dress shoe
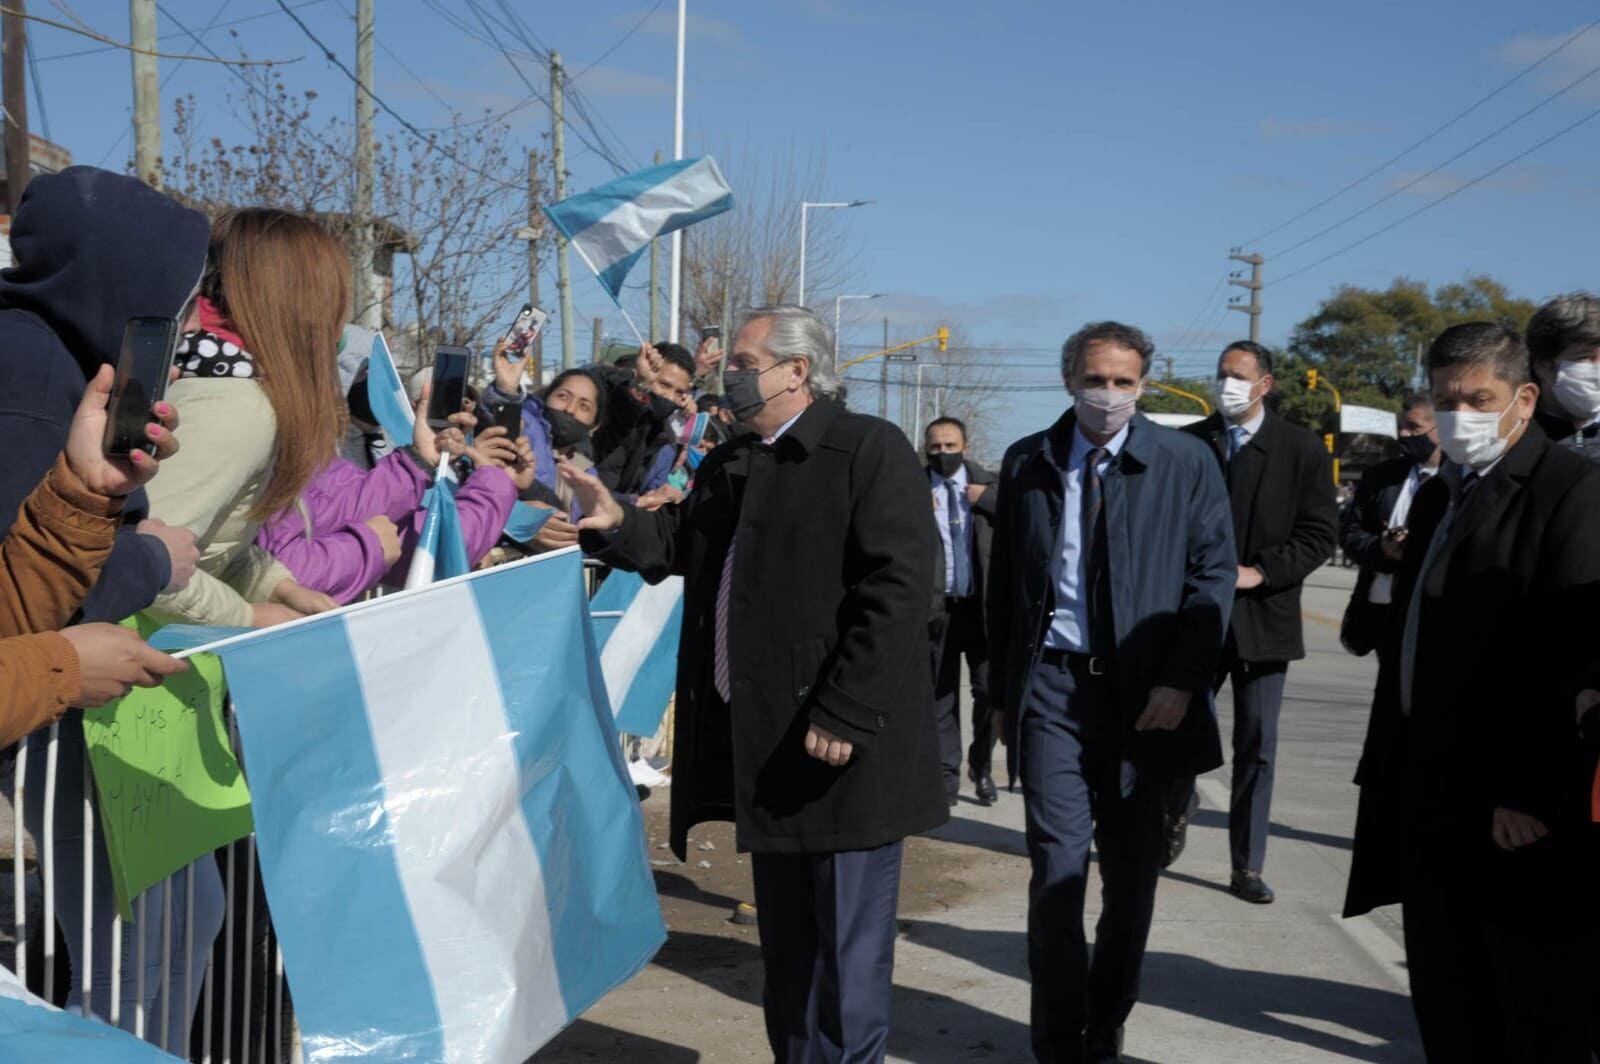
column 984, row 786
column 1102, row 1047
column 1178, row 831
column 1250, row 887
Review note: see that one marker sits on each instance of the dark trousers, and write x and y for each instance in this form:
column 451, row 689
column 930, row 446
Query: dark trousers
column 1075, row 792
column 963, row 635
column 1257, row 705
column 827, row 925
column 1486, row 990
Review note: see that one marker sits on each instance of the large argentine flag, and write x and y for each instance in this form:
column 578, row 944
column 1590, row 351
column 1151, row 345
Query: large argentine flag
column 33, row 1029
column 637, row 626
column 453, row 854
column 611, row 226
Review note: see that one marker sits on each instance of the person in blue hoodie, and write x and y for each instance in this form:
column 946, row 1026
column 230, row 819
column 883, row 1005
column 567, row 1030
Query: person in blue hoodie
column 92, row 249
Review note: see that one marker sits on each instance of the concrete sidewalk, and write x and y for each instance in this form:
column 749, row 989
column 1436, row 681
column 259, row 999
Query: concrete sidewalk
column 1224, row 981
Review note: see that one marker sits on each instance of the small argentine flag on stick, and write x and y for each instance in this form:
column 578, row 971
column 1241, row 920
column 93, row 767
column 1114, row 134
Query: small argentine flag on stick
column 611, row 226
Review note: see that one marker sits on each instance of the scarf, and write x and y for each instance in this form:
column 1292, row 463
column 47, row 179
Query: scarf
column 215, row 349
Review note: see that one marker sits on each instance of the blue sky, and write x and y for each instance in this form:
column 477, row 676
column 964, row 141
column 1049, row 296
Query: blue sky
column 1036, row 164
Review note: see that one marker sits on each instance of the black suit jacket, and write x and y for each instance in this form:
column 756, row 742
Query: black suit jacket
column 828, row 625
column 1170, row 556
column 1361, row 527
column 1285, row 522
column 1505, row 642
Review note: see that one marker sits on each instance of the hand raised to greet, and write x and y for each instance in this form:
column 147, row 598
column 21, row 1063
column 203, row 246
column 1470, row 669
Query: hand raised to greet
column 602, row 512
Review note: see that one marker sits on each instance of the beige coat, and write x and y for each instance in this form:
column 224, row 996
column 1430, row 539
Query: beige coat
column 228, row 438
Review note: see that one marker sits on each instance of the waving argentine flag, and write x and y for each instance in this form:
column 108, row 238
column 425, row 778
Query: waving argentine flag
column 611, row 226
column 33, row 1029
column 387, row 394
column 453, row 854
column 637, row 627
column 441, row 552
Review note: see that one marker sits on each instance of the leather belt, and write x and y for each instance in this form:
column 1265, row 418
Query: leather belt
column 1093, row 664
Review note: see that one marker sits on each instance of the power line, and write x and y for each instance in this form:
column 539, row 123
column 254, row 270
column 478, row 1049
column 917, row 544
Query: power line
column 625, row 38
column 165, row 36
column 1424, row 176
column 1447, row 196
column 1417, row 144
column 94, row 35
column 428, row 142
column 1210, row 301
column 172, row 73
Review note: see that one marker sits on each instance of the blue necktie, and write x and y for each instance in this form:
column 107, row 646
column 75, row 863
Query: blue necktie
column 961, row 573
column 1235, row 440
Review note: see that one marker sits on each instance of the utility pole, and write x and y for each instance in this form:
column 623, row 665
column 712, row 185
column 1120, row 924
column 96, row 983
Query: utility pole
column 1253, row 308
column 146, row 93
column 675, row 286
column 883, row 375
column 1169, row 360
column 599, row 325
column 655, row 282
column 558, row 148
column 14, row 89
column 369, row 308
column 535, row 225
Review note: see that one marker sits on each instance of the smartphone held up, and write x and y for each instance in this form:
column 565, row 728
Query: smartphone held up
column 530, row 319
column 143, row 369
column 449, row 392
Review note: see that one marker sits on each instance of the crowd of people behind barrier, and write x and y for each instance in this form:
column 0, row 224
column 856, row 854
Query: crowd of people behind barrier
column 277, row 496
column 267, row 492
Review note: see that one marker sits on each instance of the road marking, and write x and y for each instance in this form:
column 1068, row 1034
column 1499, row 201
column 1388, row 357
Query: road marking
column 1322, row 618
column 1385, row 952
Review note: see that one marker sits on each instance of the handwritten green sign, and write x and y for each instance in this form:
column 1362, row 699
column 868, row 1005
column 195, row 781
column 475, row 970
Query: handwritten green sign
column 170, row 789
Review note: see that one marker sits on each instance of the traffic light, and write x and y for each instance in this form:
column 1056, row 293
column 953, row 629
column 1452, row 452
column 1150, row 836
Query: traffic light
column 944, row 338
column 1311, row 379
column 1328, row 439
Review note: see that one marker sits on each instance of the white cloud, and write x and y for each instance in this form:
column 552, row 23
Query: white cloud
column 620, row 81
column 1572, row 62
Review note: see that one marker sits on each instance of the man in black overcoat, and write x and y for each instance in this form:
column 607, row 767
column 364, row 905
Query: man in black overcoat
column 1474, row 811
column 805, row 709
column 1285, row 524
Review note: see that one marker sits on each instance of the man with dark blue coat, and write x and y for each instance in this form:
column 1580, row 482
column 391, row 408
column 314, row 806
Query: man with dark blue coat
column 1113, row 571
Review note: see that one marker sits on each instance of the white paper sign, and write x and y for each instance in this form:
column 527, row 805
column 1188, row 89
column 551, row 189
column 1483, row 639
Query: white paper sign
column 1369, row 420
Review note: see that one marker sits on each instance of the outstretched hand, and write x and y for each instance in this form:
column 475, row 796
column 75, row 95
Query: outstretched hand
column 602, row 512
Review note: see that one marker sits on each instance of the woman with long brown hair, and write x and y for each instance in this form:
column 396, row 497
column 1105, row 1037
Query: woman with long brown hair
column 259, row 389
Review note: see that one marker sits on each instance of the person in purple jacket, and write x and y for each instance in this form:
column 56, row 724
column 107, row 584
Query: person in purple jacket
column 352, row 528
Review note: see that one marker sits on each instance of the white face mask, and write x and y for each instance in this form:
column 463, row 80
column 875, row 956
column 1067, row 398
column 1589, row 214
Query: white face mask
column 1234, row 395
column 1578, row 388
column 1471, row 438
column 1104, row 411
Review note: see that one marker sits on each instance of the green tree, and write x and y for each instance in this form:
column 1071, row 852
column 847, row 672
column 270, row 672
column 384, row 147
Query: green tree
column 1369, row 341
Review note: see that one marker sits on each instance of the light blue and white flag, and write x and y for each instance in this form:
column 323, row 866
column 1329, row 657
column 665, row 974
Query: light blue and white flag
column 637, row 626
column 441, row 552
column 611, row 226
column 452, row 850
column 387, row 394
column 33, row 1029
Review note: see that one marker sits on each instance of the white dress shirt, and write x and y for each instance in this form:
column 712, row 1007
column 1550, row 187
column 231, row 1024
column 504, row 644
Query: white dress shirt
column 1070, row 628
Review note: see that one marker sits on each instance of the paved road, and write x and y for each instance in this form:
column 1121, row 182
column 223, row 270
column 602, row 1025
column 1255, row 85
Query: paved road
column 1224, row 981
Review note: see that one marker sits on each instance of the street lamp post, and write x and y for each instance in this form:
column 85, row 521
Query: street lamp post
column 837, row 301
column 804, row 208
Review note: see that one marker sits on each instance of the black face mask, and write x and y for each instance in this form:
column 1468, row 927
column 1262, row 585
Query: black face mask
column 565, row 430
column 742, row 388
column 946, row 463
column 1417, row 449
column 661, row 408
